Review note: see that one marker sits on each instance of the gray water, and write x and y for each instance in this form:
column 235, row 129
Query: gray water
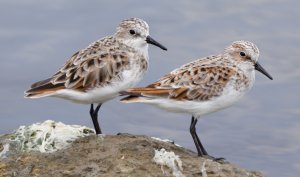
column 261, row 132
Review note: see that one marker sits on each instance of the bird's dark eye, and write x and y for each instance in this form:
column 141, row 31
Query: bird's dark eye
column 132, row 32
column 242, row 54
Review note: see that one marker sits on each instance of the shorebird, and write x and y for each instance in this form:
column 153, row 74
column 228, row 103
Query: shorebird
column 203, row 86
column 100, row 71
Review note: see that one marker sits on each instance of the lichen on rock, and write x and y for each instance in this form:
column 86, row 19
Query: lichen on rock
column 169, row 159
column 48, row 136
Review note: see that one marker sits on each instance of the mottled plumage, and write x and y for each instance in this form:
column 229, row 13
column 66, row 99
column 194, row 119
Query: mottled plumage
column 205, row 85
column 200, row 80
column 100, row 71
column 99, row 65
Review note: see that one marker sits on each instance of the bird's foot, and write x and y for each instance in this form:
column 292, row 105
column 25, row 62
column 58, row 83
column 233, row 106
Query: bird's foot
column 216, row 159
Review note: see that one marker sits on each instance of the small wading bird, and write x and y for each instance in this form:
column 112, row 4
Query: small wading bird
column 203, row 86
column 99, row 72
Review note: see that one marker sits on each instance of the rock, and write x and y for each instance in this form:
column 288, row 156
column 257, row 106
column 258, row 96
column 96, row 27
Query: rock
column 113, row 155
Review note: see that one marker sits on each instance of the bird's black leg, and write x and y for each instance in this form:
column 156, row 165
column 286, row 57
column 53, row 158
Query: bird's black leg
column 194, row 120
column 194, row 135
column 200, row 148
column 94, row 116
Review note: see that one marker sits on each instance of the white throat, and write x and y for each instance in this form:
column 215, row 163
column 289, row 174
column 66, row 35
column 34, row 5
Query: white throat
column 246, row 66
column 139, row 45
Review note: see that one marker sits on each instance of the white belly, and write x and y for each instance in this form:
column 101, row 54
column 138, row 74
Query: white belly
column 198, row 108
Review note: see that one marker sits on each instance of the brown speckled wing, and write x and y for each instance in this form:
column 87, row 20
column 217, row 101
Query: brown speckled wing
column 195, row 81
column 95, row 66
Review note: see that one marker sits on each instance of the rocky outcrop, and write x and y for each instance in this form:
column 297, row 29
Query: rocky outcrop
column 107, row 155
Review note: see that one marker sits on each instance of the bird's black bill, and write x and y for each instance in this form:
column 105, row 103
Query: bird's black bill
column 150, row 40
column 259, row 68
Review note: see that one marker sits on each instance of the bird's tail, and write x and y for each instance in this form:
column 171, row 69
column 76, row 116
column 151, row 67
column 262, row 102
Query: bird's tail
column 42, row 89
column 142, row 94
column 131, row 97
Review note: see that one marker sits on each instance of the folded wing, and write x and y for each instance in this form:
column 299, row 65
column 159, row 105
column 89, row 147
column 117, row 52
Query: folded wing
column 93, row 66
column 190, row 82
